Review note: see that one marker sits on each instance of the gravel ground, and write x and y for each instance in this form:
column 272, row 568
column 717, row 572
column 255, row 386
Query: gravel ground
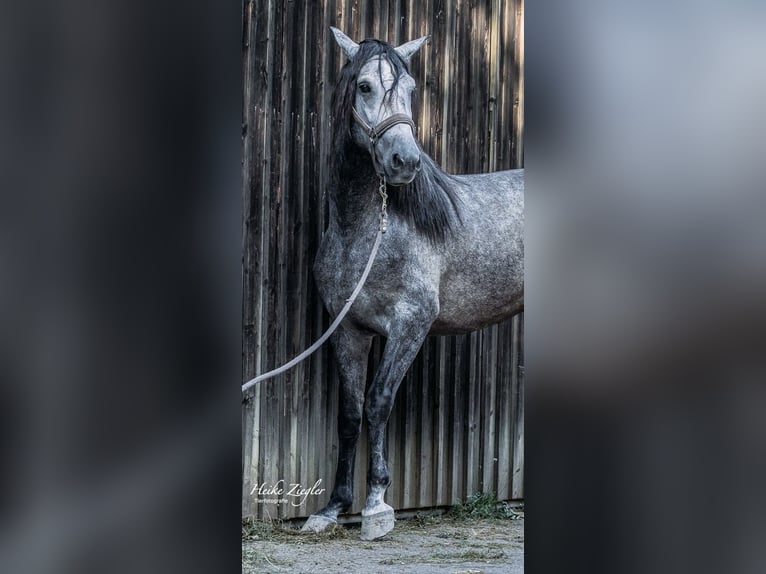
column 418, row 546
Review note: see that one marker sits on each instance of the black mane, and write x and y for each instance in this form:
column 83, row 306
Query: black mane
column 430, row 203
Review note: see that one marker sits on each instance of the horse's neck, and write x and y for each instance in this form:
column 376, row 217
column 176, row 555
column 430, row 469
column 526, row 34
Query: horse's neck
column 354, row 197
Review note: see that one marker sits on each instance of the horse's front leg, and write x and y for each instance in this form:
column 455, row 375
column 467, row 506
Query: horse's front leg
column 351, row 350
column 401, row 348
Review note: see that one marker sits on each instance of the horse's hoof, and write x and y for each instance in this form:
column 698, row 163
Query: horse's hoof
column 318, row 523
column 377, row 524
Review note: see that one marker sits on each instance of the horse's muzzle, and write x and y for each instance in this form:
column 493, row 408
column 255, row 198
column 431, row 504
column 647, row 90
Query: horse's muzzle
column 404, row 167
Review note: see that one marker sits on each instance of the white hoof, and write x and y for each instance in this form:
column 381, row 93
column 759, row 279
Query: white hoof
column 377, row 524
column 317, row 523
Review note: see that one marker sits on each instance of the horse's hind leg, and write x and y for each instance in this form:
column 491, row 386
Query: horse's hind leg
column 351, row 350
column 400, row 351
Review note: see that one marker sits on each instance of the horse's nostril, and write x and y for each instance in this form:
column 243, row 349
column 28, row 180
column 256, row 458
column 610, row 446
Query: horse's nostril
column 409, row 162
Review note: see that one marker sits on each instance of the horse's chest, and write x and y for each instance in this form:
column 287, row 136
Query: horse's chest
column 398, row 279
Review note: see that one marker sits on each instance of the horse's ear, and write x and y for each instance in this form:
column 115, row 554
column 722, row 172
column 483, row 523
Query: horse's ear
column 407, row 50
column 349, row 47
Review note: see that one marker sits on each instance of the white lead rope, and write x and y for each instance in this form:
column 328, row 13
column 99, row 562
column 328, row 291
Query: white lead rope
column 350, row 301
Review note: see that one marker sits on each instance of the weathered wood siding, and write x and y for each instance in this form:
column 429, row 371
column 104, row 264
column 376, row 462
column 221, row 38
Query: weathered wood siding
column 457, row 425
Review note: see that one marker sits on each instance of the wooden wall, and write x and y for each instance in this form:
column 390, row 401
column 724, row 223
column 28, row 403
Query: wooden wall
column 457, row 425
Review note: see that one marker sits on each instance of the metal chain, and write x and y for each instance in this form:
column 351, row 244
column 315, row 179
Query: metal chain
column 384, row 206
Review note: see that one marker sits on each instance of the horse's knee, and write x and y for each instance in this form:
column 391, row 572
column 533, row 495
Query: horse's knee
column 378, row 406
column 349, row 426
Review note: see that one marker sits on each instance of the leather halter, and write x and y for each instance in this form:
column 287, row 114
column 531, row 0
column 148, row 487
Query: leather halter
column 375, row 132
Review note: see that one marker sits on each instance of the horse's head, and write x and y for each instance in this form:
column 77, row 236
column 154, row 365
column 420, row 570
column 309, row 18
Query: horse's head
column 381, row 94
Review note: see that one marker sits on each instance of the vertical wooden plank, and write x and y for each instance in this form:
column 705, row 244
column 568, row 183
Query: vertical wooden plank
column 302, row 288
column 489, row 407
column 283, row 318
column 410, row 398
column 447, row 442
column 395, row 456
column 494, row 83
column 403, row 415
column 432, row 89
column 453, row 88
column 472, row 460
column 505, row 107
column 505, row 412
column 478, row 130
column 457, row 418
column 263, row 198
column 298, row 77
column 319, row 372
column 302, row 248
column 401, row 455
column 483, row 74
column 469, row 121
column 286, row 321
column 383, row 16
column 426, row 424
column 316, row 209
column 365, row 21
column 248, row 422
column 400, row 33
column 267, row 461
column 518, row 86
column 465, row 418
column 434, row 109
column 443, row 438
column 419, row 376
column 408, row 28
column 254, row 231
column 517, row 490
column 445, row 45
column 353, row 19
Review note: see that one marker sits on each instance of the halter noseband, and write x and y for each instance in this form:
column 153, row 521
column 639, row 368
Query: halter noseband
column 374, row 132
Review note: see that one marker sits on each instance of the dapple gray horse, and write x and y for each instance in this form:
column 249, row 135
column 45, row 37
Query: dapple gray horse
column 451, row 260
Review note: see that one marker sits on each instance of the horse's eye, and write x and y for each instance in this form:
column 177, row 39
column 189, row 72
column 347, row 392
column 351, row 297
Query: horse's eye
column 365, row 88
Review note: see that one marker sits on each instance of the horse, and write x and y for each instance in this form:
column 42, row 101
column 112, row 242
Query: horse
column 451, row 259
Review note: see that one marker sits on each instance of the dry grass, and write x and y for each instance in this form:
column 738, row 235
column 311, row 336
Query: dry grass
column 278, row 531
column 484, row 505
